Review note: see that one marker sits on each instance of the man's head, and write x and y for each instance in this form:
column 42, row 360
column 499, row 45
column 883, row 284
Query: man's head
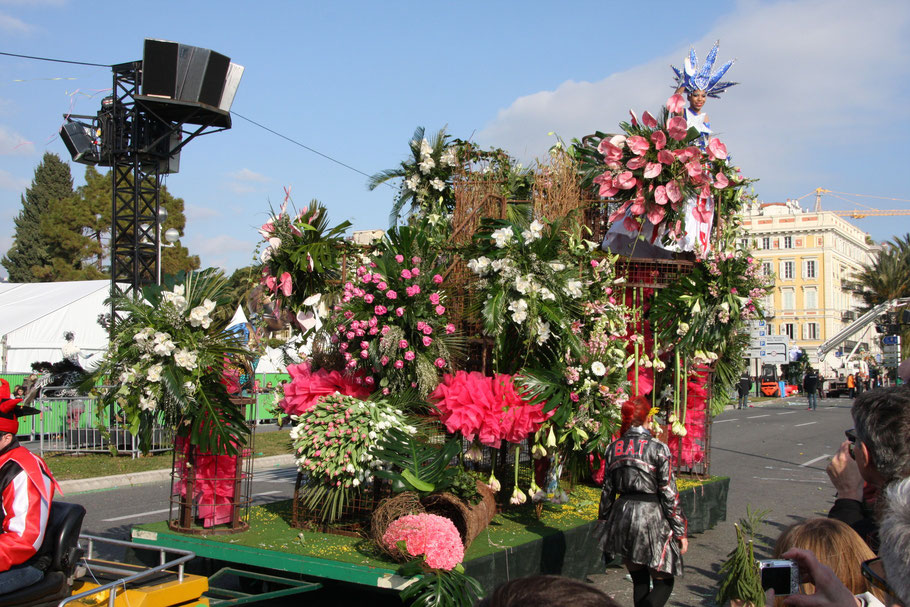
column 882, row 421
column 5, row 439
column 895, row 539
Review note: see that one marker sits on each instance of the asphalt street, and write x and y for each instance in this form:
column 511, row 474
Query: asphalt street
column 775, row 455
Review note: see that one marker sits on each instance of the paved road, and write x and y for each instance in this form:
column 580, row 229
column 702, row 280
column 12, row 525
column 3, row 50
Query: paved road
column 774, row 453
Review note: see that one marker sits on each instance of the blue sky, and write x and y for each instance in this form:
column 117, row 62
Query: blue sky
column 822, row 99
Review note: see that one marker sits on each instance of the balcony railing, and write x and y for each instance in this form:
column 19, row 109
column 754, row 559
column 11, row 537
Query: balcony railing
column 848, row 316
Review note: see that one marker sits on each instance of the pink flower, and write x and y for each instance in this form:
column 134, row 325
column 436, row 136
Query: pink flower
column 673, row 192
column 721, row 181
column 434, row 298
column 634, row 118
column 364, row 345
column 399, row 364
column 450, row 328
column 652, row 170
column 594, row 263
column 625, row 180
column 429, row 535
column 380, row 310
column 440, row 362
column 693, row 167
column 368, row 380
column 610, row 152
column 364, row 354
column 399, row 258
column 638, row 144
column 605, row 181
column 656, row 214
column 406, row 274
column 386, row 328
column 403, row 344
column 437, row 279
column 421, row 325
column 440, row 310
column 409, row 355
column 659, row 139
column 384, row 360
column 631, row 224
column 398, row 312
column 716, row 149
column 649, row 120
column 676, row 103
column 636, row 162
column 574, row 397
column 271, row 283
column 367, row 278
column 382, row 286
column 427, row 341
column 660, row 195
column 368, row 298
column 415, row 272
column 665, row 157
column 410, row 291
column 676, row 128
column 427, row 330
column 391, row 294
column 415, row 260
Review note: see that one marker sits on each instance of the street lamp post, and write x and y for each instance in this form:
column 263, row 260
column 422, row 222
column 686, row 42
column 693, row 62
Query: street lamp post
column 171, row 235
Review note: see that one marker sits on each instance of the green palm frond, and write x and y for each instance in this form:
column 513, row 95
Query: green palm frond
column 546, row 385
column 422, row 466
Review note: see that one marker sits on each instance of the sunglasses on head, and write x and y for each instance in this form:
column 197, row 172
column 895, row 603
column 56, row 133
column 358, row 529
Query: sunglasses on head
column 874, row 572
column 851, row 436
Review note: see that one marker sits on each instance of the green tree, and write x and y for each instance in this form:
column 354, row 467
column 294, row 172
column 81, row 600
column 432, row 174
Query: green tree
column 239, row 285
column 175, row 258
column 32, row 246
column 887, row 278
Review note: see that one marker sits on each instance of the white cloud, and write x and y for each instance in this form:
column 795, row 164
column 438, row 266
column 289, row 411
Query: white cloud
column 223, row 251
column 8, row 181
column 14, row 144
column 13, row 25
column 246, row 181
column 196, row 213
column 816, row 75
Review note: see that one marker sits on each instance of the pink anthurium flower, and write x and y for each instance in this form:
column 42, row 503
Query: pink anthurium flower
column 676, row 103
column 636, row 163
column 605, row 181
column 307, row 320
column 634, row 118
column 620, row 211
column 625, row 180
column 665, row 157
column 638, row 205
column 611, row 152
column 693, row 167
column 652, row 170
column 286, row 284
column 638, row 144
column 660, row 195
column 721, row 181
column 648, row 120
column 656, row 214
column 632, row 224
column 676, row 128
column 673, row 192
column 716, row 149
column 659, row 139
column 271, row 283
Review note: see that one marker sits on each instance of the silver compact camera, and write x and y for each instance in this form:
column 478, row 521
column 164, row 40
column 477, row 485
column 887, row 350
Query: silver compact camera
column 779, row 575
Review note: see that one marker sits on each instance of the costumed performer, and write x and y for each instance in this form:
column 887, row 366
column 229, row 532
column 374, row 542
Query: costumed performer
column 27, row 488
column 639, row 507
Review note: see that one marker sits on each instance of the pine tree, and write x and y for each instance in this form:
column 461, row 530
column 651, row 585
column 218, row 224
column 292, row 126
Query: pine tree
column 31, row 248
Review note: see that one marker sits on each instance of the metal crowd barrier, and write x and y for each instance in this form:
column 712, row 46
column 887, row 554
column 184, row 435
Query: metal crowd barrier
column 70, row 424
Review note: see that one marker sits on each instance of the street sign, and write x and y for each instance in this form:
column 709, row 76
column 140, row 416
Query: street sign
column 891, row 340
column 771, row 353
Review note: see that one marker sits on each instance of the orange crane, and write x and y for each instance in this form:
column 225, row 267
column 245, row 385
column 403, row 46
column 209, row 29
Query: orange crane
column 856, row 213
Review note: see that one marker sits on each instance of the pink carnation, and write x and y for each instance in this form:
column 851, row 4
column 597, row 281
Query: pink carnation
column 399, row 311
column 403, row 344
column 380, row 310
column 440, row 362
column 409, row 355
column 406, row 274
column 437, row 279
column 399, row 258
column 434, row 298
column 429, row 535
column 427, row 341
column 391, row 294
column 440, row 310
column 450, row 328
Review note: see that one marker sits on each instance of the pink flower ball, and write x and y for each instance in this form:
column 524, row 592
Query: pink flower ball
column 391, row 294
column 450, row 328
column 437, row 279
column 399, row 258
column 368, row 298
column 380, row 310
column 434, row 298
column 399, row 312
column 403, row 344
column 409, row 355
column 440, row 310
column 406, row 274
column 427, row 341
column 440, row 362
column 399, row 364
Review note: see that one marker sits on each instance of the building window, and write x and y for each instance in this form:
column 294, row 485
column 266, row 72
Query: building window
column 787, row 299
column 766, row 243
column 767, row 268
column 786, row 270
column 788, row 242
column 811, row 330
column 811, row 299
column 809, row 269
column 788, row 329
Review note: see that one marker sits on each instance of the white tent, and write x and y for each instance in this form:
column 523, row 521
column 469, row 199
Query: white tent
column 34, row 317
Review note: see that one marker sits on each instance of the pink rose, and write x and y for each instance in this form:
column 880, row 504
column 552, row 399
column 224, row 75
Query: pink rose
column 450, row 328
column 721, row 181
column 625, row 180
column 421, row 325
column 415, row 272
column 368, row 298
column 434, row 298
column 380, row 310
column 427, row 330
column 409, row 355
column 660, row 195
column 427, row 341
column 659, row 139
column 367, row 279
column 406, row 274
column 665, row 157
column 652, row 170
column 676, row 103
column 382, row 286
column 649, row 120
column 716, row 149
column 399, row 364
column 399, row 258
column 391, row 294
column 638, row 144
column 437, row 279
column 403, row 344
column 440, row 362
column 676, row 128
column 399, row 312
column 440, row 310
column 385, row 329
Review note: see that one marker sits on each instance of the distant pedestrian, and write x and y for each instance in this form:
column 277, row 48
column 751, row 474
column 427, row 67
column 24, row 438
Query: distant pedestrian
column 743, row 388
column 810, row 385
column 851, row 385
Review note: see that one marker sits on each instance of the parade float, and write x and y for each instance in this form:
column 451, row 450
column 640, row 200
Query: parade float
column 465, row 371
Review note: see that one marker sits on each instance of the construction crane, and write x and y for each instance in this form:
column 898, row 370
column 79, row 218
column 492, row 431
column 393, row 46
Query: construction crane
column 856, row 213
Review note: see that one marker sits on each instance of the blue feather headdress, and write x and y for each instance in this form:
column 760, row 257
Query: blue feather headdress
column 694, row 79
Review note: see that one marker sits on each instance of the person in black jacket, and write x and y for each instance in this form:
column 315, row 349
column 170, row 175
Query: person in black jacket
column 639, row 507
column 743, row 388
column 879, row 456
column 810, row 385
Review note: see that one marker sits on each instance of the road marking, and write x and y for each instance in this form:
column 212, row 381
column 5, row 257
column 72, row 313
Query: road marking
column 757, row 416
column 787, row 413
column 806, row 424
column 266, row 493
column 720, row 421
column 792, row 480
column 812, row 461
column 123, row 518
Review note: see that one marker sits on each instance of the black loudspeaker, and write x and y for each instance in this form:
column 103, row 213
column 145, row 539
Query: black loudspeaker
column 78, row 138
column 159, row 68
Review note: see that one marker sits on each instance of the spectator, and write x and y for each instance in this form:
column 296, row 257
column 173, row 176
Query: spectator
column 895, row 538
column 879, row 457
column 743, row 388
column 810, row 385
column 851, row 385
column 836, row 545
column 19, row 392
column 546, row 590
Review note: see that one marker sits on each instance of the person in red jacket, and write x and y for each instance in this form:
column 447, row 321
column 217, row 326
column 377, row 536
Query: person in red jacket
column 27, row 488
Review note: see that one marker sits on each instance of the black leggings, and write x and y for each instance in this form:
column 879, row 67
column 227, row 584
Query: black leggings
column 643, row 595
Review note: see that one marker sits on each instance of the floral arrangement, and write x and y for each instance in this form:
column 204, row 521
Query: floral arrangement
column 307, row 386
column 391, row 323
column 300, row 257
column 430, row 536
column 334, row 444
column 653, row 167
column 167, row 359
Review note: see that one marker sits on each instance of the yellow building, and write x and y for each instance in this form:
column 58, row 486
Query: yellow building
column 814, row 256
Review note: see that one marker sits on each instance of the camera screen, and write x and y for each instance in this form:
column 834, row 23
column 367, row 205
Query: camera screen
column 777, row 578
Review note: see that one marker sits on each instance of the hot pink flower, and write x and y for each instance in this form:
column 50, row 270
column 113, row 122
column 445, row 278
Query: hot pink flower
column 386, row 328
column 625, row 180
column 648, row 120
column 676, row 103
column 638, row 144
column 399, row 364
column 673, row 192
column 384, row 360
column 611, row 152
column 450, row 328
column 652, row 170
column 659, row 139
column 367, row 278
column 403, row 344
column 429, row 535
column 391, row 294
column 594, row 263
column 415, row 272
column 398, row 312
column 636, row 162
column 421, row 325
column 427, row 330
column 271, row 283
column 676, row 128
column 380, row 310
column 364, row 354
column 399, row 258
column 716, row 149
column 605, row 181
column 382, row 286
column 434, row 298
column 409, row 355
column 427, row 341
column 437, row 279
column 368, row 298
column 440, row 310
column 660, row 195
column 415, row 260
column 440, row 362
column 406, row 274
column 665, row 157
column 721, row 181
